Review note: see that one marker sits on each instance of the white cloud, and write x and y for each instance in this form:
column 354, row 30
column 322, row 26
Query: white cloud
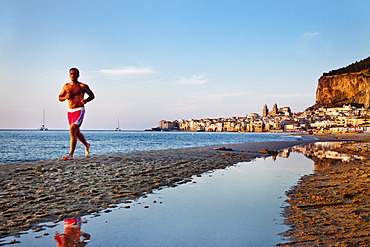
column 309, row 35
column 306, row 38
column 193, row 80
column 129, row 70
column 304, row 44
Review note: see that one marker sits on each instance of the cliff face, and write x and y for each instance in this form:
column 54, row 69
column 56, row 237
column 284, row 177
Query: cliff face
column 337, row 90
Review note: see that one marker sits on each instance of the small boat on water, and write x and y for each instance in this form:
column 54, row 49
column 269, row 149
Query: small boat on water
column 117, row 129
column 43, row 127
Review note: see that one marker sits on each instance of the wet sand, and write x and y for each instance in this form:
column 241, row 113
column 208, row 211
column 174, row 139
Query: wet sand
column 53, row 190
column 332, row 206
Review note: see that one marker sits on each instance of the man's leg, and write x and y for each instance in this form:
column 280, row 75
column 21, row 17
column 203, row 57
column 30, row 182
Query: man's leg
column 74, row 135
column 82, row 139
column 73, row 131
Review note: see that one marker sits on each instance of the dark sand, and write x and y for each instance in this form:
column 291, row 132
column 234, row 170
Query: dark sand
column 53, row 190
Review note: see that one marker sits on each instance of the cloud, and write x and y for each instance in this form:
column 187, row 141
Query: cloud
column 193, row 80
column 129, row 70
column 310, row 35
column 304, row 43
column 306, row 37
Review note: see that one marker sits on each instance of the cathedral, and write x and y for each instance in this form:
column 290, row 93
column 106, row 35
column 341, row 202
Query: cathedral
column 275, row 111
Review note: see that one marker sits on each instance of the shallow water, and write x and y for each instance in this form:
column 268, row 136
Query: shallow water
column 31, row 145
column 237, row 206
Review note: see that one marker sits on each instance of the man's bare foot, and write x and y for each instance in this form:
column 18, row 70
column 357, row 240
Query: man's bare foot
column 87, row 150
column 69, row 157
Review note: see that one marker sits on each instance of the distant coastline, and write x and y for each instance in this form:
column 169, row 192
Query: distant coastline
column 338, row 120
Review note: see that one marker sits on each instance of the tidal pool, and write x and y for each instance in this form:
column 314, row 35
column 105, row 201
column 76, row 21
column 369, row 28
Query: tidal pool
column 237, row 206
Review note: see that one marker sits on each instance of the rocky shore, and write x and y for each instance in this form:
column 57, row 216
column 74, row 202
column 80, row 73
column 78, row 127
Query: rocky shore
column 53, row 190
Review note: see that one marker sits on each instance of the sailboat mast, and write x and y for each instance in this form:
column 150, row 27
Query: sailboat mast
column 43, row 121
column 43, row 116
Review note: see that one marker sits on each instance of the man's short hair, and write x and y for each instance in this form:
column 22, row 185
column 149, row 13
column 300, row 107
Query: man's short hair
column 78, row 72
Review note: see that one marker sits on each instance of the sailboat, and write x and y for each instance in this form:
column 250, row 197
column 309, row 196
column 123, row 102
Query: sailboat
column 117, row 129
column 43, row 127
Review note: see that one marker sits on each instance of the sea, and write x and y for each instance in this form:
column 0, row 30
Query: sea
column 32, row 145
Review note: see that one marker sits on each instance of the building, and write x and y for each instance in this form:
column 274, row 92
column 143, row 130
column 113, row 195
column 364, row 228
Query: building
column 265, row 111
column 168, row 125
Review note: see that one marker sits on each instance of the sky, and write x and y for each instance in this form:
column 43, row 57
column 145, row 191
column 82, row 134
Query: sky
column 148, row 60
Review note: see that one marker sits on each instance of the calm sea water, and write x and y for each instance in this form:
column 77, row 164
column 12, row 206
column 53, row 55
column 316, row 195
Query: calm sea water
column 31, row 145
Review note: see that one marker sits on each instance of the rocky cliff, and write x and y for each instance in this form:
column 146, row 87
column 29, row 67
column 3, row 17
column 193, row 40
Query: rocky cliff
column 349, row 88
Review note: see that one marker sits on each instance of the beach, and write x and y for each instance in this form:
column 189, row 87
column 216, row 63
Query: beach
column 54, row 190
column 331, row 206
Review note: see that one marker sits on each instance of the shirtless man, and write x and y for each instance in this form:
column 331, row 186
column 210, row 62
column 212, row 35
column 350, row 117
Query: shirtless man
column 74, row 92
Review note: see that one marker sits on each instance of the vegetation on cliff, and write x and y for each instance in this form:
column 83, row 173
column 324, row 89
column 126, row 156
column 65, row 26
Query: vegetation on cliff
column 352, row 68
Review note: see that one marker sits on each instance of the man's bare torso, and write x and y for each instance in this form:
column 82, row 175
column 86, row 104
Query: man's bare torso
column 74, row 92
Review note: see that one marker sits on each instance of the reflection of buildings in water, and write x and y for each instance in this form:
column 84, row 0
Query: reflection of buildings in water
column 72, row 235
column 284, row 153
column 322, row 154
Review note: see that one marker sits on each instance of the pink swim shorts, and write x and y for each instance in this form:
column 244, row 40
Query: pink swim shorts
column 76, row 115
column 76, row 221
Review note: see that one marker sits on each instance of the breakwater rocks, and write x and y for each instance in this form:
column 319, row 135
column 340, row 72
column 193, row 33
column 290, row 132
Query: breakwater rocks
column 331, row 206
column 54, row 190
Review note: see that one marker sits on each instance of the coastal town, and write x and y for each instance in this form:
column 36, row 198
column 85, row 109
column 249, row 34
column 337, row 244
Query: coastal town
column 345, row 119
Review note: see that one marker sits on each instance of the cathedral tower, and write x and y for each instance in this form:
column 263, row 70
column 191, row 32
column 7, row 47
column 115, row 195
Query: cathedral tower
column 265, row 111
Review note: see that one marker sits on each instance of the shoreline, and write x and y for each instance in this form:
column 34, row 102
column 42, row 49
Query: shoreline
column 54, row 190
column 330, row 207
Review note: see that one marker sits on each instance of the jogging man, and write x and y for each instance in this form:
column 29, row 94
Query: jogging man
column 74, row 91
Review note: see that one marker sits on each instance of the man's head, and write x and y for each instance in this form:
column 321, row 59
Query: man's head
column 74, row 74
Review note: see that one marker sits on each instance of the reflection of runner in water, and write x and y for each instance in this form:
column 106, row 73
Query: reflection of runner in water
column 72, row 234
column 74, row 91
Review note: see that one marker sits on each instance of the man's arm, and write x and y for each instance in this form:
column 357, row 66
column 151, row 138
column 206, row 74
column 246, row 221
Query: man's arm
column 63, row 95
column 90, row 93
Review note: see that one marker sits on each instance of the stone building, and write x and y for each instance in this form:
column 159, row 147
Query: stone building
column 265, row 111
column 274, row 110
column 168, row 125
